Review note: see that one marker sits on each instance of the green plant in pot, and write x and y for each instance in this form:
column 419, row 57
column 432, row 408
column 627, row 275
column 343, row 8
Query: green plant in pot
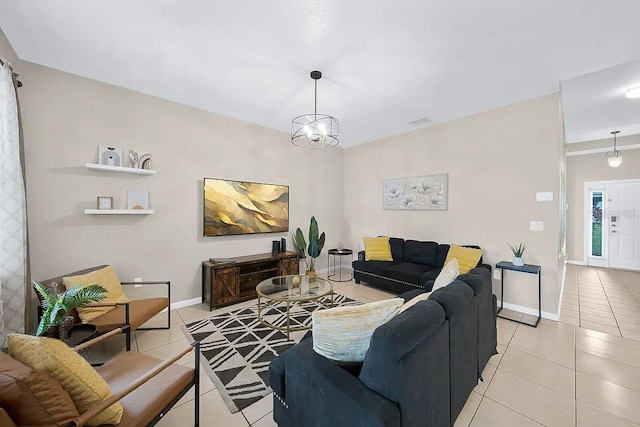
column 313, row 250
column 57, row 305
column 517, row 254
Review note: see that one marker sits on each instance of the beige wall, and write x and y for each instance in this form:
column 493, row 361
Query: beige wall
column 6, row 50
column 496, row 162
column 66, row 117
column 587, row 168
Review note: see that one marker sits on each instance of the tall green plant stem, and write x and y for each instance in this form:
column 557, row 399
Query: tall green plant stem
column 316, row 243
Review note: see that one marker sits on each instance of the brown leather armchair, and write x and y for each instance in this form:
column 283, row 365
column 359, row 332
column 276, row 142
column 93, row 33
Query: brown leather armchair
column 132, row 314
column 146, row 387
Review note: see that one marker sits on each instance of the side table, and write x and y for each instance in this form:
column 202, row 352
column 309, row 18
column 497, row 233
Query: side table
column 527, row 268
column 81, row 333
column 337, row 255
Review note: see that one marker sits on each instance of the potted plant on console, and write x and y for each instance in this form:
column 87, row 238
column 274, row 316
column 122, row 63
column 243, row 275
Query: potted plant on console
column 54, row 320
column 316, row 243
column 517, row 254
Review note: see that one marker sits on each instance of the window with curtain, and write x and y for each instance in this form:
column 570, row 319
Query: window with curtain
column 13, row 238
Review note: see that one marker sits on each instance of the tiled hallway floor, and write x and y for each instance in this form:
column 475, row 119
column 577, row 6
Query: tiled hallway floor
column 603, row 300
column 556, row 374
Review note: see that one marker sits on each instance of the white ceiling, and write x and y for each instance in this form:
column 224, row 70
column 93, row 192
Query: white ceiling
column 385, row 62
column 594, row 104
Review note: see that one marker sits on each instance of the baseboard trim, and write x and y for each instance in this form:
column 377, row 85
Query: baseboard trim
column 574, row 262
column 185, row 303
column 509, row 306
column 532, row 311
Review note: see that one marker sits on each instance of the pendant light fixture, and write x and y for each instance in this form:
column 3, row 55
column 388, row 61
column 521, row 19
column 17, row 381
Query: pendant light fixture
column 614, row 157
column 315, row 130
column 633, row 93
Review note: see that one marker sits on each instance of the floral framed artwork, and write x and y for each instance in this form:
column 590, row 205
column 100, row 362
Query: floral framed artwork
column 418, row 193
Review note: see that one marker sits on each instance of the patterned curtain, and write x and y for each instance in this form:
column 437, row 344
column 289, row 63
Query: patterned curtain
column 13, row 220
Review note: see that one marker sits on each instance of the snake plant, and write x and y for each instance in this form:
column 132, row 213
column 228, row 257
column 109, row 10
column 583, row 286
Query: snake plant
column 316, row 243
column 57, row 305
column 518, row 250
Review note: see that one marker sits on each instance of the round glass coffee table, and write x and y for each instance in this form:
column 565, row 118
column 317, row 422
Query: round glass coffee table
column 291, row 290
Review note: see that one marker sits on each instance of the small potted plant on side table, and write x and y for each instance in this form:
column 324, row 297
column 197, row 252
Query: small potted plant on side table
column 54, row 321
column 517, row 254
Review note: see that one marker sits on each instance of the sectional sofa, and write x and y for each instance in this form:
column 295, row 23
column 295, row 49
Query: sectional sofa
column 419, row 370
column 415, row 264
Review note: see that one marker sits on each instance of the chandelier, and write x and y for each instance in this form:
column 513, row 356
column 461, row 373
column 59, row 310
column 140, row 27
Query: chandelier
column 315, row 130
column 614, row 157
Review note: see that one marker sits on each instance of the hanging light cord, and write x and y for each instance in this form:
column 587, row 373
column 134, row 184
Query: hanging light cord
column 615, row 142
column 315, row 99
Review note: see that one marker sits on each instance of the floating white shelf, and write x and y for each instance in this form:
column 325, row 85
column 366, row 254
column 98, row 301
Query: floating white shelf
column 120, row 169
column 119, row 211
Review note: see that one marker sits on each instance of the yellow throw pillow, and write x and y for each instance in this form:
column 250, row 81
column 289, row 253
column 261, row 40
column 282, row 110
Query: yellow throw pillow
column 377, row 249
column 413, row 301
column 467, row 258
column 343, row 334
column 71, row 370
column 107, row 278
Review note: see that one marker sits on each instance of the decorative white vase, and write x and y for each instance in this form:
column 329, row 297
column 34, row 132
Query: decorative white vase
column 518, row 261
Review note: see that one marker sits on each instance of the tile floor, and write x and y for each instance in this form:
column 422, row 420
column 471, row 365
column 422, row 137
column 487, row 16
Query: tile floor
column 558, row 374
column 603, row 300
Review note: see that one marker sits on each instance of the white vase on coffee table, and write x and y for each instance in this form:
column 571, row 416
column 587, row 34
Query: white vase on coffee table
column 518, row 261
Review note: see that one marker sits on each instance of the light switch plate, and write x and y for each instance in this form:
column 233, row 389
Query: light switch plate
column 536, row 226
column 496, row 274
column 544, row 196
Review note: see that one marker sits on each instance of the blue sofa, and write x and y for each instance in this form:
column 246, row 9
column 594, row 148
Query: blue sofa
column 418, row 372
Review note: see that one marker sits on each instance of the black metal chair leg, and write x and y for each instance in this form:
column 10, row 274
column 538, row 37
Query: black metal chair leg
column 197, row 385
column 127, row 321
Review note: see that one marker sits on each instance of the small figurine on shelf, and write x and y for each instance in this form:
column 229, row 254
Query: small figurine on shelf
column 133, row 159
column 138, row 160
column 110, row 156
column 145, row 161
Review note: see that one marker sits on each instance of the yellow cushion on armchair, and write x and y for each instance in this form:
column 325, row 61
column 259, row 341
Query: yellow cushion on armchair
column 72, row 371
column 105, row 277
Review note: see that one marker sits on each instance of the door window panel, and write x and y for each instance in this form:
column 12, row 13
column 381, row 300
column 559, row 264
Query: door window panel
column 596, row 223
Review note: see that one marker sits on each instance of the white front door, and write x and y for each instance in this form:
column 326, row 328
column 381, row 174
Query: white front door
column 624, row 225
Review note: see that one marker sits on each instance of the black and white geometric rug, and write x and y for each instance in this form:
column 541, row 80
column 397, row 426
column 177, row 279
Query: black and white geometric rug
column 236, row 348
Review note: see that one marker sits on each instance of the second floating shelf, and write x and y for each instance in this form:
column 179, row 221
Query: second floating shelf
column 120, row 169
column 119, row 211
